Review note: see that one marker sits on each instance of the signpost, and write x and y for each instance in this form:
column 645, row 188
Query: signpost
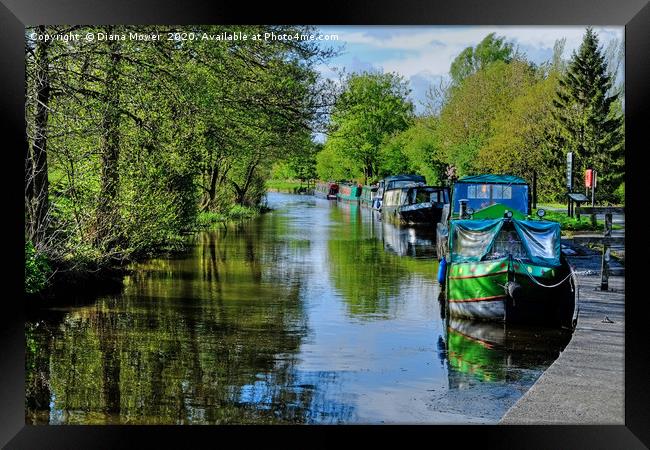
column 569, row 180
column 590, row 182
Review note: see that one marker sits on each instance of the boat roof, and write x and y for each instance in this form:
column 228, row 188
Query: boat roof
column 405, row 177
column 419, row 186
column 492, row 178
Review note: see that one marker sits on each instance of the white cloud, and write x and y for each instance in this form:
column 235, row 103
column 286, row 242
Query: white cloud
column 432, row 49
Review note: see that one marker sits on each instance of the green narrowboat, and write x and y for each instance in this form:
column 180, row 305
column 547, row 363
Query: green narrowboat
column 506, row 269
column 349, row 192
column 367, row 194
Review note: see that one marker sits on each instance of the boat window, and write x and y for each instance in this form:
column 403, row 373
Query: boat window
column 422, row 196
column 471, row 191
column 483, row 191
column 500, row 191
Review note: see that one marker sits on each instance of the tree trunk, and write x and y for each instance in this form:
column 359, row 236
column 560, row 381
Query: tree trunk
column 110, row 150
column 37, row 189
column 241, row 192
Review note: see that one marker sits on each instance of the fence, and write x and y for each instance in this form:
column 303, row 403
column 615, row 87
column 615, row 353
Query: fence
column 606, row 240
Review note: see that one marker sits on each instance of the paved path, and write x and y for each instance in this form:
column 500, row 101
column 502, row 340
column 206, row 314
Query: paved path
column 585, row 385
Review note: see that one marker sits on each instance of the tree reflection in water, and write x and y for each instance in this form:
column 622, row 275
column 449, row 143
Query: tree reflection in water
column 314, row 313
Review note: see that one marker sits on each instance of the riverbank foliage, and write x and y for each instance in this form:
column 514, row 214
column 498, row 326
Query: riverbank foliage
column 206, row 220
column 129, row 141
column 498, row 113
column 37, row 269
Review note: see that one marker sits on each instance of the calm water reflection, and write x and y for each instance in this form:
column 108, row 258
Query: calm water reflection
column 314, row 313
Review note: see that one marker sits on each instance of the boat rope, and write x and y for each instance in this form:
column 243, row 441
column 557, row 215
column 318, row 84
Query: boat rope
column 544, row 285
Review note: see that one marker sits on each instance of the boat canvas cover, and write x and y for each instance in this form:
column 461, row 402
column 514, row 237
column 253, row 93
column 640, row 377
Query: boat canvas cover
column 471, row 240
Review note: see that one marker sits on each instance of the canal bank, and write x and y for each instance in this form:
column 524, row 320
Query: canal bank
column 585, row 385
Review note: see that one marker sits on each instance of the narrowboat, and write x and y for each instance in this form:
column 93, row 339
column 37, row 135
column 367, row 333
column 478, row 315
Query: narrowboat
column 367, row 194
column 349, row 192
column 326, row 190
column 508, row 268
column 392, row 182
column 414, row 204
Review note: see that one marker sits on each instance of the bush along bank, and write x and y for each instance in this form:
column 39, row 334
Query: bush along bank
column 207, row 220
column 83, row 274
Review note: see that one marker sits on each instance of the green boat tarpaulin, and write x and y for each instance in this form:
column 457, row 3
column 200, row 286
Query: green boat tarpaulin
column 472, row 240
column 541, row 240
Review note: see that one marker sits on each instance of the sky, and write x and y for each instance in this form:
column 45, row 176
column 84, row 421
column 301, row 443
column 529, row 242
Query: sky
column 423, row 54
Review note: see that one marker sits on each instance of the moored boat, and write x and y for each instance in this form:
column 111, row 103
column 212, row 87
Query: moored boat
column 326, row 190
column 367, row 194
column 349, row 192
column 392, row 182
column 508, row 268
column 414, row 204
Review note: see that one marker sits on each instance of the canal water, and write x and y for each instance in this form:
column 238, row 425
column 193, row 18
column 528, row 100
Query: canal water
column 316, row 312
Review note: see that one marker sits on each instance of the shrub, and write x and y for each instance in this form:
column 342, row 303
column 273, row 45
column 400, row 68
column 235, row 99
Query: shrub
column 619, row 193
column 37, row 269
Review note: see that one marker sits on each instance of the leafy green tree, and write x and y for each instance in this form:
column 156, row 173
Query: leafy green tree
column 525, row 140
column 415, row 150
column 129, row 140
column 590, row 121
column 371, row 108
column 466, row 120
column 472, row 59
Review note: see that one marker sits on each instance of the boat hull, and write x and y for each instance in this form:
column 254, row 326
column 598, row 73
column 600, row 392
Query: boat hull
column 349, row 193
column 480, row 290
column 418, row 214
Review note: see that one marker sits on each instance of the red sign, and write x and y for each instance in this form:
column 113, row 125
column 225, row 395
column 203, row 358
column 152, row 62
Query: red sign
column 589, row 178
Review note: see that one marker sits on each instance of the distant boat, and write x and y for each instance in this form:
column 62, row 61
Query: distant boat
column 367, row 194
column 349, row 192
column 326, row 190
column 414, row 204
column 394, row 182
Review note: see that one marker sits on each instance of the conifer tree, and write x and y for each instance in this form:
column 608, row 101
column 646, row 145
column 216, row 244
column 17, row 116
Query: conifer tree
column 589, row 117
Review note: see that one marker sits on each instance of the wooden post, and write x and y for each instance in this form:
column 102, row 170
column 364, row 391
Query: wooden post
column 604, row 270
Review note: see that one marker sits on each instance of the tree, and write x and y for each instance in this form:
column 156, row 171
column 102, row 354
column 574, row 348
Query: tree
column 473, row 59
column 415, row 150
column 525, row 140
column 590, row 122
column 129, row 139
column 466, row 120
column 371, row 107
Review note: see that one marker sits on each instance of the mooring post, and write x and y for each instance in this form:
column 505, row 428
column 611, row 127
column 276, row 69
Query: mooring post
column 604, row 270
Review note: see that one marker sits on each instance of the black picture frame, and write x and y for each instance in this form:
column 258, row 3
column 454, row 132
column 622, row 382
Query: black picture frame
column 16, row 14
